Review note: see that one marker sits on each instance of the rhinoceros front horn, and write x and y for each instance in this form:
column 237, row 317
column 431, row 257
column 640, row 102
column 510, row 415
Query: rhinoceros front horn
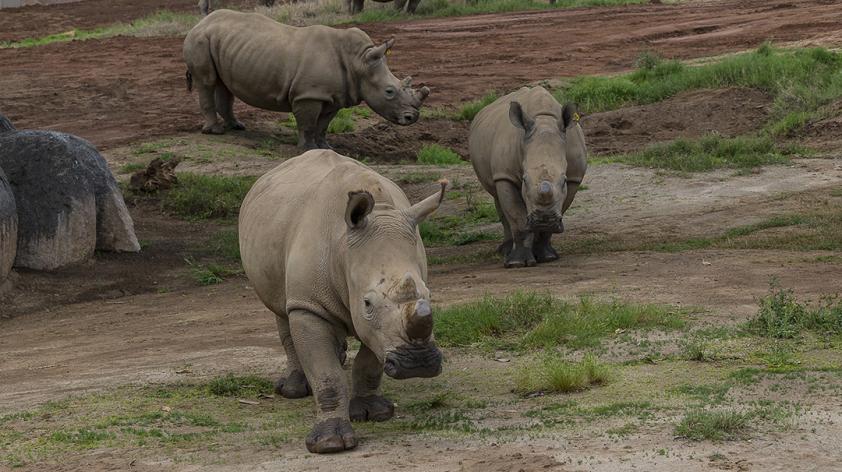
column 422, row 93
column 420, row 322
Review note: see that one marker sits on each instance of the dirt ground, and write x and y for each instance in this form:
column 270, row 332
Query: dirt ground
column 137, row 320
column 120, row 90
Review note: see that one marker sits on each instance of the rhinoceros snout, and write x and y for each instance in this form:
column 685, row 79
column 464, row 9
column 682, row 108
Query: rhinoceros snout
column 408, row 117
column 548, row 221
column 407, row 362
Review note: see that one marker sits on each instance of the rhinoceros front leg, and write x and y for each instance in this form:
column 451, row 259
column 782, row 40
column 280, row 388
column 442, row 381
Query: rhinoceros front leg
column 413, row 4
column 294, row 383
column 514, row 211
column 542, row 249
column 506, row 246
column 355, row 6
column 368, row 404
column 317, row 343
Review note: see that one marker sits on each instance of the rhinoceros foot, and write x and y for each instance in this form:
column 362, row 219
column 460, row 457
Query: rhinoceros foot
column 214, row 129
column 371, row 408
column 545, row 253
column 293, row 386
column 519, row 257
column 236, row 125
column 331, row 435
column 505, row 247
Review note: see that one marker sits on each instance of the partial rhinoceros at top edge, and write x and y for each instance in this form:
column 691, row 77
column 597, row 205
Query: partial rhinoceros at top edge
column 8, row 228
column 333, row 249
column 68, row 203
column 529, row 154
column 312, row 71
column 205, row 6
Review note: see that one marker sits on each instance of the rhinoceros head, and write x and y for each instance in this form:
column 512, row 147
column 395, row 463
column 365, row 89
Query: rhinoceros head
column 544, row 180
column 387, row 294
column 391, row 98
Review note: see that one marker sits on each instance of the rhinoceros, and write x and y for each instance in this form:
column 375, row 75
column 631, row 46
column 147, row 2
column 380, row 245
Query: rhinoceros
column 205, row 5
column 356, row 6
column 333, row 249
column 312, row 71
column 529, row 154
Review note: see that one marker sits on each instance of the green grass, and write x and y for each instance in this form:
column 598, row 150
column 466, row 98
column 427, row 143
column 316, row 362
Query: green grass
column 206, row 196
column 344, row 121
column 782, row 316
column 713, row 425
column 226, row 243
column 555, row 375
column 433, row 154
column 131, row 167
column 160, row 23
column 800, row 81
column 469, row 110
column 529, row 320
column 458, row 230
column 240, row 386
column 211, row 274
column 709, row 153
column 418, row 177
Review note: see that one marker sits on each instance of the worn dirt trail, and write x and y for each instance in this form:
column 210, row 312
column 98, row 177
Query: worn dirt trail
column 121, row 90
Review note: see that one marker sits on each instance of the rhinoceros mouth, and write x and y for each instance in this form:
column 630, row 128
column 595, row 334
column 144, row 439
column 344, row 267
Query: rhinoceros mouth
column 407, row 362
column 407, row 118
column 545, row 222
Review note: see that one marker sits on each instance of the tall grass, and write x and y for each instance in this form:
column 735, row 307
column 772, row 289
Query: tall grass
column 782, row 316
column 555, row 375
column 207, row 196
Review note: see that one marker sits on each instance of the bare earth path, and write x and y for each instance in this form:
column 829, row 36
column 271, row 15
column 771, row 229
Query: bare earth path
column 127, row 89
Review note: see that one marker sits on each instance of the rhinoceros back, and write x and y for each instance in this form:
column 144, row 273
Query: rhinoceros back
column 292, row 230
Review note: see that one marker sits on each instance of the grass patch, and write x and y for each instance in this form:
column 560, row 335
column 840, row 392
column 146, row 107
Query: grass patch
column 709, row 153
column 782, row 316
column 131, row 168
column 457, row 230
column 527, row 320
column 418, row 177
column 555, row 375
column 226, row 243
column 711, row 425
column 211, row 274
column 433, row 154
column 344, row 121
column 206, row 196
column 240, row 386
column 469, row 110
column 160, row 23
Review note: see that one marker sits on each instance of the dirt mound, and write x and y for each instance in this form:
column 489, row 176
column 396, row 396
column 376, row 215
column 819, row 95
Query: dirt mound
column 826, row 134
column 387, row 142
column 728, row 112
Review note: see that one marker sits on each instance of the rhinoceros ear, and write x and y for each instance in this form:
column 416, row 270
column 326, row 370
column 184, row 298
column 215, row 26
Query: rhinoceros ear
column 360, row 204
column 569, row 116
column 519, row 118
column 376, row 53
column 421, row 210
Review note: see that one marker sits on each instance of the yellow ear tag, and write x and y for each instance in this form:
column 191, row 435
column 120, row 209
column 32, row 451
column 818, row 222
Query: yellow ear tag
column 388, row 52
column 576, row 117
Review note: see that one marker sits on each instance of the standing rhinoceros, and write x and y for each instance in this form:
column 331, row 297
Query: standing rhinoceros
column 205, row 5
column 529, row 154
column 356, row 6
column 332, row 248
column 312, row 71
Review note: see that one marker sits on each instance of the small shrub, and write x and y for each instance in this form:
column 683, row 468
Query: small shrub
column 433, row 154
column 554, row 375
column 780, row 315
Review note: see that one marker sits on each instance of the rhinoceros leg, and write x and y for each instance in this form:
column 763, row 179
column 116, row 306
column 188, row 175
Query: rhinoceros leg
column 400, row 4
column 506, row 246
column 225, row 107
column 514, row 211
column 324, row 122
column 368, row 404
column 413, row 4
column 541, row 247
column 355, row 6
column 294, row 383
column 307, row 113
column 317, row 343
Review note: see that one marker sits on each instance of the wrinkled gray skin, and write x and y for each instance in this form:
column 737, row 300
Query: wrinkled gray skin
column 332, row 248
column 356, row 6
column 312, row 71
column 529, row 154
column 8, row 226
column 205, row 5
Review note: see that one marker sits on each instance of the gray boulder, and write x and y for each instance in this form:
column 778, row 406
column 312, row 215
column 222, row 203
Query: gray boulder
column 68, row 203
column 8, row 229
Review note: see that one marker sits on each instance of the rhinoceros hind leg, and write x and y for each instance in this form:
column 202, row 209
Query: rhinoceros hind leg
column 294, row 385
column 413, row 4
column 400, row 4
column 321, row 131
column 542, row 249
column 307, row 113
column 355, row 6
column 225, row 107
column 331, row 435
column 371, row 408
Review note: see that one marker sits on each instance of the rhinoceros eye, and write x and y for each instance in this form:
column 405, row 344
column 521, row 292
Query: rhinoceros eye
column 390, row 92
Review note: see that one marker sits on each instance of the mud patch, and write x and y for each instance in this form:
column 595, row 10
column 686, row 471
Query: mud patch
column 727, row 112
column 387, row 142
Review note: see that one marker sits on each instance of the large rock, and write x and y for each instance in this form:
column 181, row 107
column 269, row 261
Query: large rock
column 8, row 229
column 68, row 202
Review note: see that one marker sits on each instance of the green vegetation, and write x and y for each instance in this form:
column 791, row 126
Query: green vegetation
column 801, row 82
column 240, row 386
column 527, row 320
column 710, row 152
column 418, row 177
column 160, row 23
column 719, row 425
column 781, row 316
column 555, row 375
column 344, row 121
column 226, row 243
column 131, row 167
column 470, row 109
column 457, row 230
column 433, row 154
column 211, row 274
column 206, row 196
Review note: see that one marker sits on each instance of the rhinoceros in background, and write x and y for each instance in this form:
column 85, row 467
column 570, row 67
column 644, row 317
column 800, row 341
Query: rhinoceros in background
column 529, row 154
column 205, row 5
column 332, row 248
column 312, row 71
column 68, row 203
column 356, row 6
column 8, row 226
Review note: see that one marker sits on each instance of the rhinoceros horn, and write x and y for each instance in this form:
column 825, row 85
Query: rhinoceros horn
column 419, row 324
column 421, row 210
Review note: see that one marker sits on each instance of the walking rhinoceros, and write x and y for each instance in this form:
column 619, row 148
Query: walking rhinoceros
column 312, row 71
column 529, row 154
column 332, row 248
column 205, row 5
column 356, row 6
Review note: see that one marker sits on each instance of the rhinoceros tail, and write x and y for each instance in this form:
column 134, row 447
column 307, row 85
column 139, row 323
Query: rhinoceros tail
column 189, row 78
